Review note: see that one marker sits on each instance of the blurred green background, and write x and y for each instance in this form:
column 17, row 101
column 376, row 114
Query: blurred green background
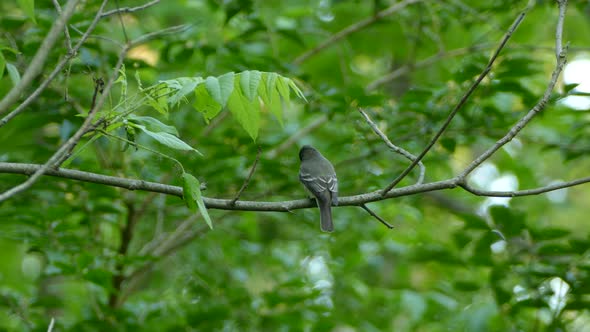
column 445, row 265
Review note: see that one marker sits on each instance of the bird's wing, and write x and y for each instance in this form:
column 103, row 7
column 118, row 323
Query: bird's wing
column 318, row 184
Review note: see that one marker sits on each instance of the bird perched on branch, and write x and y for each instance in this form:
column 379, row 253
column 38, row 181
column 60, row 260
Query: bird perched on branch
column 319, row 178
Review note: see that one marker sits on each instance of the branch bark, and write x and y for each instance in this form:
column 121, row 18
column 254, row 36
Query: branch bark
column 280, row 206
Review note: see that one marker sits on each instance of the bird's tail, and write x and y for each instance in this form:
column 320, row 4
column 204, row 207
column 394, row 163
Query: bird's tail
column 326, row 215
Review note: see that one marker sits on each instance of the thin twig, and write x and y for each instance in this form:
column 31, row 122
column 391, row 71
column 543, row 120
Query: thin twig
column 388, row 225
column 156, row 34
column 561, row 61
column 559, row 29
column 392, row 146
column 526, row 192
column 66, row 30
column 51, row 323
column 459, row 105
column 182, row 235
column 38, row 60
column 247, row 181
column 110, row 40
column 129, row 9
column 122, row 24
column 352, row 29
column 33, row 96
column 58, row 157
column 453, row 53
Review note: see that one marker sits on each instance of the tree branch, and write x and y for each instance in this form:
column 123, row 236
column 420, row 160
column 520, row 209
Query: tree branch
column 129, row 9
column 71, row 54
column 459, row 105
column 393, row 147
column 131, row 184
column 374, row 215
column 66, row 30
column 39, row 59
column 247, row 181
column 281, row 206
column 156, row 34
column 561, row 61
column 59, row 156
column 526, row 192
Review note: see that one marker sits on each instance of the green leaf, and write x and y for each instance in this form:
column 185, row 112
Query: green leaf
column 205, row 103
column 283, row 88
column 549, row 233
column 270, row 82
column 28, row 6
column 272, row 102
column 569, row 88
column 581, row 245
column 509, row 222
column 295, row 88
column 153, row 124
column 167, row 139
column 220, row 88
column 13, row 73
column 448, row 144
column 474, row 221
column 193, row 197
column 466, row 285
column 157, row 97
column 183, row 86
column 560, row 249
column 122, row 79
column 100, row 277
column 249, row 82
column 246, row 112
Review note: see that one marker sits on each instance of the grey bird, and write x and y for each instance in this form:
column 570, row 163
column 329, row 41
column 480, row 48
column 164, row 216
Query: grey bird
column 319, row 178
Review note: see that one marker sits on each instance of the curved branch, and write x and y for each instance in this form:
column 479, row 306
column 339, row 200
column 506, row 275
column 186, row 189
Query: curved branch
column 281, row 206
column 561, row 61
column 392, row 146
column 131, row 184
column 216, row 203
column 526, row 192
column 459, row 105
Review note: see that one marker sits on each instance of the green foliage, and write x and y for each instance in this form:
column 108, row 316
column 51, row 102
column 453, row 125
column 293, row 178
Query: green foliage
column 241, row 93
column 193, row 196
column 191, row 109
column 28, row 6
